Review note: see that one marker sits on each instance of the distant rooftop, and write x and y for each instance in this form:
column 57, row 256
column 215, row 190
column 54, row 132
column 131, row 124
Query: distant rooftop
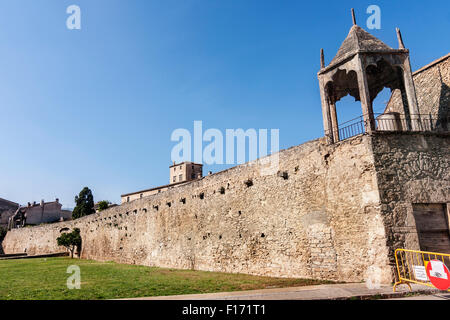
column 185, row 162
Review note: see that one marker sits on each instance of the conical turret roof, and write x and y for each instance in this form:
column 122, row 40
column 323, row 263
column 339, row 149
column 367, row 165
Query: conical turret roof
column 359, row 40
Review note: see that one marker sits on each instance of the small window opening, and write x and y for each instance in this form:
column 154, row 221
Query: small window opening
column 284, row 175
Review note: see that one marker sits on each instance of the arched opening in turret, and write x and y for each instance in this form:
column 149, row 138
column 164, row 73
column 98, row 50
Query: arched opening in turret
column 387, row 86
column 343, row 91
column 379, row 104
column 343, row 96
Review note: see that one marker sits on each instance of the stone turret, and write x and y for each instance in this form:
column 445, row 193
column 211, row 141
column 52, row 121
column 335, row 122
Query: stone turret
column 362, row 68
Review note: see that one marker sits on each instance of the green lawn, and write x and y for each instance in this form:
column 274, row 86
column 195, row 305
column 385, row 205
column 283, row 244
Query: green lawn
column 46, row 279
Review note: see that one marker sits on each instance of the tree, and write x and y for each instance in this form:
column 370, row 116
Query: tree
column 84, row 204
column 70, row 241
column 103, row 205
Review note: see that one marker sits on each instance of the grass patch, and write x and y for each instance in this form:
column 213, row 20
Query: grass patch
column 45, row 279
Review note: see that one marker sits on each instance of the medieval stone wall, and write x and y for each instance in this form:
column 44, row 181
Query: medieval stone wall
column 412, row 169
column 331, row 212
column 318, row 216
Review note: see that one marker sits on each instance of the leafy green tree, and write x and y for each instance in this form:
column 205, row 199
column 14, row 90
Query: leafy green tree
column 103, row 205
column 71, row 241
column 84, row 204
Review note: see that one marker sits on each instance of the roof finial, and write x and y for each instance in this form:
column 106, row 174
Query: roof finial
column 322, row 59
column 353, row 17
column 401, row 45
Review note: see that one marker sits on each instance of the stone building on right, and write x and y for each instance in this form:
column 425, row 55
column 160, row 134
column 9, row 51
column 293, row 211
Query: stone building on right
column 410, row 139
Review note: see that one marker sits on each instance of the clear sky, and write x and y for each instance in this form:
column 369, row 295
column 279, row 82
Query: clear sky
column 96, row 107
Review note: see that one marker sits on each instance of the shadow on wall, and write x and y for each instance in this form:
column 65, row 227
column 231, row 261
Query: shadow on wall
column 444, row 104
column 78, row 249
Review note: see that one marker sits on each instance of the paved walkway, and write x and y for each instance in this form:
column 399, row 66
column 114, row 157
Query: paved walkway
column 320, row 292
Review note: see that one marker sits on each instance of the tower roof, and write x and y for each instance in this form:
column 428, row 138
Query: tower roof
column 359, row 40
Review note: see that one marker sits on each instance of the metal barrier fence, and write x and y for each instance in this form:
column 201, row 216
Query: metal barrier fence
column 418, row 122
column 415, row 266
column 395, row 122
column 352, row 130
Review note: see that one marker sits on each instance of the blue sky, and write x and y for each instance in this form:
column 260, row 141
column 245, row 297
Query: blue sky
column 96, row 107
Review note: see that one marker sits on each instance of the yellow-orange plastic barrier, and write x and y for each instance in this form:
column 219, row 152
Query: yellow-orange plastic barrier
column 411, row 265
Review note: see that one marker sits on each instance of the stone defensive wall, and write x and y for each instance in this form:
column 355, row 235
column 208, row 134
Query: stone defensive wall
column 332, row 212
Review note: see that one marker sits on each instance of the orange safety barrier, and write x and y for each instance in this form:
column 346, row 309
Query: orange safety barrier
column 415, row 266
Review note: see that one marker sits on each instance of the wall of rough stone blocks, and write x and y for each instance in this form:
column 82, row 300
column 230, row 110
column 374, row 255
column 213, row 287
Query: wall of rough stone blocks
column 318, row 216
column 411, row 169
column 330, row 212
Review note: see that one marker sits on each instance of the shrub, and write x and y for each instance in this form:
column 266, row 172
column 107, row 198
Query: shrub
column 70, row 241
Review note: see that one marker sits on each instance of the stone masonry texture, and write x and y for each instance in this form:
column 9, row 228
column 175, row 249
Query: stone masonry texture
column 332, row 212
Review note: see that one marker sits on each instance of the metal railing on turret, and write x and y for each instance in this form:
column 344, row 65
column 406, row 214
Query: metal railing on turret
column 394, row 122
